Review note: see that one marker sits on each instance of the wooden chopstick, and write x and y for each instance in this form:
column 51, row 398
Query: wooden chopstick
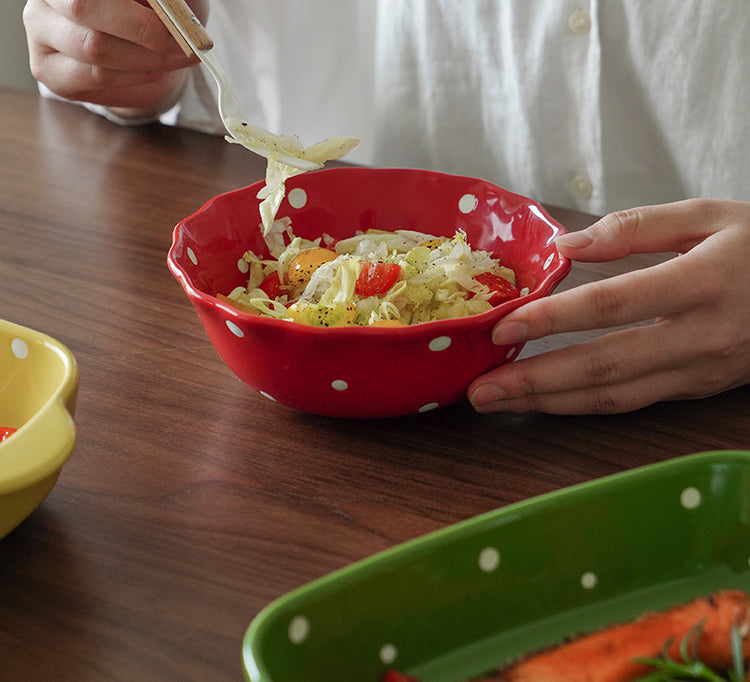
column 184, row 22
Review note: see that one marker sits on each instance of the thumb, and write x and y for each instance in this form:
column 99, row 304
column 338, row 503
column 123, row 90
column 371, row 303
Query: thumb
column 675, row 227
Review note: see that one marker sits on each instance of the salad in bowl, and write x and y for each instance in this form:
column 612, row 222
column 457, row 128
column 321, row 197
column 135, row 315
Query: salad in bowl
column 374, row 278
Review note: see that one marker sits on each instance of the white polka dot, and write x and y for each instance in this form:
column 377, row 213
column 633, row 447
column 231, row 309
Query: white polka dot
column 589, row 580
column 549, row 260
column 511, row 352
column 489, row 559
column 297, row 197
column 388, row 653
column 19, row 348
column 191, row 255
column 440, row 343
column 339, row 384
column 428, row 407
column 690, row 498
column 467, row 203
column 242, row 265
column 267, row 395
column 234, row 329
column 298, row 630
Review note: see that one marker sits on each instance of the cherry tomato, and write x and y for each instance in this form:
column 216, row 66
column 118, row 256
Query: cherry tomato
column 6, row 432
column 271, row 285
column 305, row 263
column 376, row 278
column 502, row 290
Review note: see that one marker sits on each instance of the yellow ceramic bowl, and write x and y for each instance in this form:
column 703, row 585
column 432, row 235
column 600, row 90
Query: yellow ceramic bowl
column 38, row 383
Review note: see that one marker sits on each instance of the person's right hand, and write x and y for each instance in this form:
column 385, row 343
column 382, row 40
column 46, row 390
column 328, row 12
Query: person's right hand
column 111, row 52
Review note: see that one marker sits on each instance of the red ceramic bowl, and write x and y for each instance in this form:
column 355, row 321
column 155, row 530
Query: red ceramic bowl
column 360, row 371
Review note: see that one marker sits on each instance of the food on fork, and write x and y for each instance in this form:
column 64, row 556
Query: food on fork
column 285, row 153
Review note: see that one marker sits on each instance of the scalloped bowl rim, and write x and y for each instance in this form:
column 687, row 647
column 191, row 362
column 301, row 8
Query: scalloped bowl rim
column 545, row 285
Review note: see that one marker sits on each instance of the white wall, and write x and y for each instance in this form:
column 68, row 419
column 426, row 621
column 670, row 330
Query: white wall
column 14, row 58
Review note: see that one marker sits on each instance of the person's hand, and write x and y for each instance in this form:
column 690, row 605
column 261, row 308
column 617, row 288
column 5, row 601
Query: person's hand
column 697, row 345
column 111, row 52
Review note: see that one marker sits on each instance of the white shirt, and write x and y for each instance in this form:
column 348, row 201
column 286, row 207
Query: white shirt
column 590, row 104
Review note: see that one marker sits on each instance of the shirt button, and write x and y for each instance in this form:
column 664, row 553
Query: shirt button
column 579, row 21
column 582, row 186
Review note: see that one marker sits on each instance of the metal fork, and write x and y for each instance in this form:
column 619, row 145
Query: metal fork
column 193, row 38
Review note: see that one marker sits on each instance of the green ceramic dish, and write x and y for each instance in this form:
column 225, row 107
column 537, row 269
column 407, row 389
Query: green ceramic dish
column 460, row 601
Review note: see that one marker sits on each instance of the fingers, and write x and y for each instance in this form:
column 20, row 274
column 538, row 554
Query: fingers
column 624, row 397
column 111, row 52
column 81, row 80
column 144, row 44
column 133, row 95
column 664, row 289
column 620, row 371
column 599, row 376
column 634, row 297
column 619, row 356
column 124, row 19
column 675, row 227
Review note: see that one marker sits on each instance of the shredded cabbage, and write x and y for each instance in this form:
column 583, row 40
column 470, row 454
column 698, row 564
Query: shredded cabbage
column 436, row 279
column 278, row 172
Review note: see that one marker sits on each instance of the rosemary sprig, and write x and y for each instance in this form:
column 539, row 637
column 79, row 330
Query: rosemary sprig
column 688, row 667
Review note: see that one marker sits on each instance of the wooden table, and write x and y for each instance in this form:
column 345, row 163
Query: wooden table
column 190, row 502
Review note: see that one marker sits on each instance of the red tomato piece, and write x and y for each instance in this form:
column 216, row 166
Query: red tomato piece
column 5, row 432
column 271, row 285
column 376, row 278
column 502, row 290
column 394, row 676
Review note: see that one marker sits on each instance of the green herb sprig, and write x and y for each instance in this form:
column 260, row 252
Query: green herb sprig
column 667, row 669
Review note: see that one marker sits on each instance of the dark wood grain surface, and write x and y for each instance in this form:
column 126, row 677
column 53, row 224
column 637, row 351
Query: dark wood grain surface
column 190, row 502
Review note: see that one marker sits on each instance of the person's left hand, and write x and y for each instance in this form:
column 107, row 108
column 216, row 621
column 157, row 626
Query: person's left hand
column 697, row 345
